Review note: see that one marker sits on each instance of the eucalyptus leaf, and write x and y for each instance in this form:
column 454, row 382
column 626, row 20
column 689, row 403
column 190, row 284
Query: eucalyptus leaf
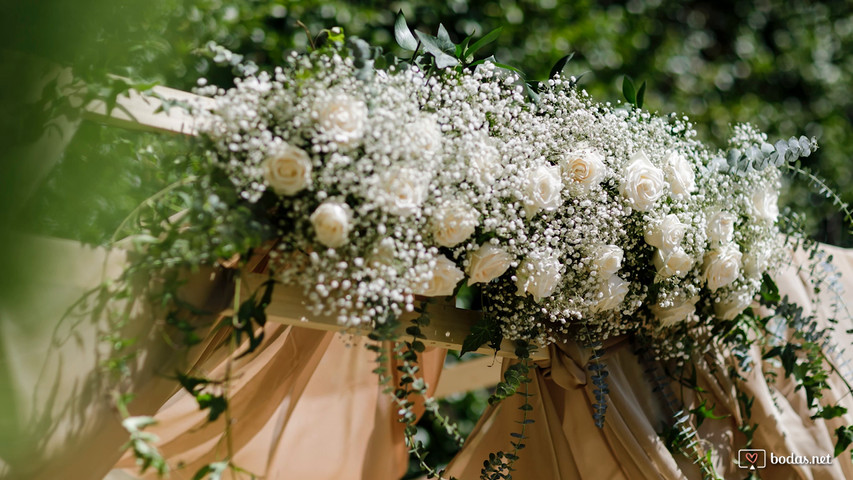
column 403, row 35
column 433, row 46
column 447, row 45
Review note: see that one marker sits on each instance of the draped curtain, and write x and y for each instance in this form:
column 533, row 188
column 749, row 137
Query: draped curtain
column 306, row 405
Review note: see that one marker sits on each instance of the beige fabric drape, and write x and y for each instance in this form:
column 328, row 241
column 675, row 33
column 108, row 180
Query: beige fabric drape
column 307, row 406
column 59, row 420
column 564, row 443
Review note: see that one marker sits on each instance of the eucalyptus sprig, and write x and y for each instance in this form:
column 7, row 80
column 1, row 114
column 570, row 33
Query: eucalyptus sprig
column 516, row 381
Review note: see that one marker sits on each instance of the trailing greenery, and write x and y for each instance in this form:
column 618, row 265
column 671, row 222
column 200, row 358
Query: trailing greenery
column 516, row 380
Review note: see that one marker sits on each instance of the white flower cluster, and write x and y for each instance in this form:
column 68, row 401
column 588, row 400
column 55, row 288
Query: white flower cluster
column 565, row 213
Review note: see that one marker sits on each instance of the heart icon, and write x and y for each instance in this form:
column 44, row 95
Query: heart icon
column 751, row 457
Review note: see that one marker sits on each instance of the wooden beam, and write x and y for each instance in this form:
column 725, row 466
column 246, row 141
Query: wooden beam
column 144, row 112
column 447, row 329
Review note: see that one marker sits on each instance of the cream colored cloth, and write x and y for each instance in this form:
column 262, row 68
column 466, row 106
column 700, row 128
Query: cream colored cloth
column 565, row 444
column 306, row 406
column 59, row 420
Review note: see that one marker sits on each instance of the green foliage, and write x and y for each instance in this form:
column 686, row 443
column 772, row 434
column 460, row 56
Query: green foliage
column 485, row 331
column 516, row 377
column 410, row 385
column 634, row 97
column 845, row 438
column 703, row 412
column 142, row 444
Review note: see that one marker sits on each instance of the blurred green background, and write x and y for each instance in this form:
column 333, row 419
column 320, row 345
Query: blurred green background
column 783, row 66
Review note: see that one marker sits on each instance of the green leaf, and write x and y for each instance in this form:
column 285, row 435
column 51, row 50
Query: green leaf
column 403, row 35
column 433, row 46
column 628, row 90
column 216, row 403
column 531, row 93
column 212, row 471
column 640, row 94
column 483, row 41
column 827, row 413
column 463, row 47
column 702, row 412
column 560, row 65
column 845, row 438
column 769, row 292
column 483, row 332
column 447, row 45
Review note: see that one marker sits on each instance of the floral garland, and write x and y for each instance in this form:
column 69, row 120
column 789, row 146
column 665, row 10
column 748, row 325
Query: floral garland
column 374, row 181
column 565, row 212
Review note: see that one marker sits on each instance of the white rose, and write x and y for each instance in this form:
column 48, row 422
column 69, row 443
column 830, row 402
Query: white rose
column 720, row 228
column 669, row 316
column 666, row 233
column 538, row 275
column 403, row 190
column 643, row 183
column 454, row 223
column 445, row 276
column 672, row 262
column 765, row 203
column 331, row 223
column 756, row 262
column 488, row 263
column 584, row 168
column 608, row 260
column 287, row 170
column 680, row 175
column 722, row 266
column 733, row 305
column 610, row 294
column 542, row 189
column 425, row 137
column 342, row 117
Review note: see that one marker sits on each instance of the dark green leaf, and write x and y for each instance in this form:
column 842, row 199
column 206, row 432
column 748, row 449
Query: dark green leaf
column 483, row 332
column 462, row 47
column 402, row 33
column 216, row 403
column 212, row 471
column 830, row 412
column 640, row 94
column 628, row 90
column 769, row 291
column 845, row 438
column 560, row 65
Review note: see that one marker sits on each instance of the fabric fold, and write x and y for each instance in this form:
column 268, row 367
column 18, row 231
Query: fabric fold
column 565, row 444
